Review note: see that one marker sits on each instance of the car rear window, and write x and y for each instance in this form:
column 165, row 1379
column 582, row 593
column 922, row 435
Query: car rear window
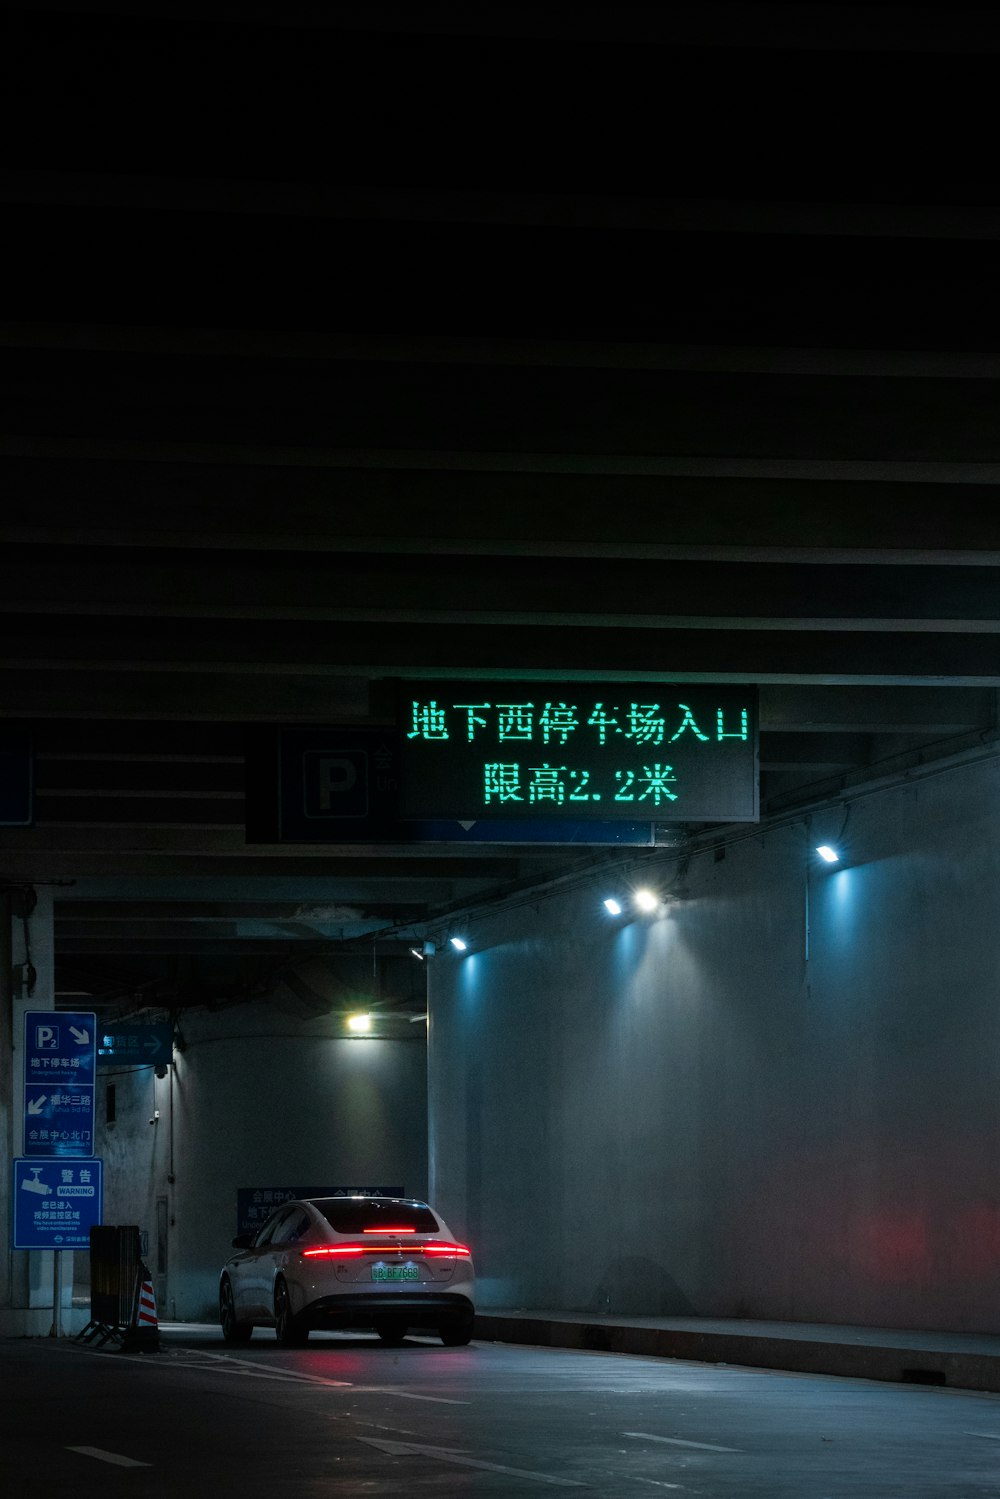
column 353, row 1215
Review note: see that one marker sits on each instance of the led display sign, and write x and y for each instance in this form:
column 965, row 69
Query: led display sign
column 672, row 753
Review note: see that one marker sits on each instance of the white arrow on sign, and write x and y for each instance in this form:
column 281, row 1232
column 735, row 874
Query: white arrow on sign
column 153, row 1044
column 82, row 1036
column 446, row 1455
column 35, row 1105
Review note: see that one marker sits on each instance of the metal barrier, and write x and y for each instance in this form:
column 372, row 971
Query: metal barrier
column 115, row 1268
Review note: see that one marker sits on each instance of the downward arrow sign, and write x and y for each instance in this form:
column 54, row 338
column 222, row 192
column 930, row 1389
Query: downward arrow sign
column 82, row 1036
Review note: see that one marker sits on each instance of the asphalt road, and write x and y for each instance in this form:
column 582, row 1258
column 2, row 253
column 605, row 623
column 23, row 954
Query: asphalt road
column 346, row 1416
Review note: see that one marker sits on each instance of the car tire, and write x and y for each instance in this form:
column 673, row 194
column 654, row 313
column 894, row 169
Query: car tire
column 233, row 1330
column 391, row 1330
column 290, row 1331
column 456, row 1332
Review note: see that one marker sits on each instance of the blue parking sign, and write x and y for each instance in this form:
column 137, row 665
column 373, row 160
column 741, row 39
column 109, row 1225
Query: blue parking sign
column 57, row 1202
column 60, row 1070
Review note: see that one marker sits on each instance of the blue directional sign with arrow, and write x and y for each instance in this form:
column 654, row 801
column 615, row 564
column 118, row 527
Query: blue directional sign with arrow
column 60, row 1063
column 140, row 1045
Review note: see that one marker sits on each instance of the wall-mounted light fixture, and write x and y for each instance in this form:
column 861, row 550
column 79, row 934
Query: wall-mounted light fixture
column 643, row 899
column 834, row 851
column 458, row 943
column 359, row 1024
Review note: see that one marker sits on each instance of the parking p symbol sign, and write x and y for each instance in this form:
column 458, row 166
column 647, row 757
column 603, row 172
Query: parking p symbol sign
column 335, row 783
column 46, row 1038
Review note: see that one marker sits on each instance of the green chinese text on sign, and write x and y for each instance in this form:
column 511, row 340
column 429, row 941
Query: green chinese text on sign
column 604, row 750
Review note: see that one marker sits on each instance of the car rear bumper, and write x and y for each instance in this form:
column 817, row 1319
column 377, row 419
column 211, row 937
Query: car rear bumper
column 416, row 1308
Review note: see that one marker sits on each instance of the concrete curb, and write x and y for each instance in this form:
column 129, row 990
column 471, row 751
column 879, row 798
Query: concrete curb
column 905, row 1365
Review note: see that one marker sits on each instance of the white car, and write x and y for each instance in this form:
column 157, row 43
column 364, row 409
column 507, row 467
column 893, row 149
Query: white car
column 387, row 1263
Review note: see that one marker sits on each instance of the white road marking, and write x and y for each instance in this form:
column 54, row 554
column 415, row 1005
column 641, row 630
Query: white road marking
column 447, row 1455
column 274, row 1375
column 249, row 1369
column 268, row 1372
column 228, row 1361
column 987, row 1436
column 647, row 1436
column 386, row 1389
column 241, row 1367
column 109, row 1457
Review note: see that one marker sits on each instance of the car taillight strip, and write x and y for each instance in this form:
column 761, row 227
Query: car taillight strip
column 330, row 1251
column 346, row 1251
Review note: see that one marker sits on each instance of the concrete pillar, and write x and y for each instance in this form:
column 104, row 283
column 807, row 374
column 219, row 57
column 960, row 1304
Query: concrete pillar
column 27, row 982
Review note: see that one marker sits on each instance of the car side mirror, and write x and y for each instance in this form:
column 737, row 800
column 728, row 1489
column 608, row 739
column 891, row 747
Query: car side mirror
column 242, row 1241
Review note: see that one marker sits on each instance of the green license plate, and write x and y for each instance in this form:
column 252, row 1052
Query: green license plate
column 395, row 1272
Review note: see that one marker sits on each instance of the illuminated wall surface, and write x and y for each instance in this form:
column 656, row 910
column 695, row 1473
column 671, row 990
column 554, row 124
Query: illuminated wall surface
column 713, row 1111
column 573, row 749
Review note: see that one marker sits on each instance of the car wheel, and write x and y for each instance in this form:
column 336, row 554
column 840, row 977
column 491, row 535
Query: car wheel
column 290, row 1331
column 391, row 1330
column 456, row 1332
column 233, row 1330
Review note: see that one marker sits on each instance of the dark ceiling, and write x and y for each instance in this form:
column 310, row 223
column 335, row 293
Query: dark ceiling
column 345, row 343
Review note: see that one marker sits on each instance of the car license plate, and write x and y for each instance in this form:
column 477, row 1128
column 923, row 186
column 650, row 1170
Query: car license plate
column 395, row 1272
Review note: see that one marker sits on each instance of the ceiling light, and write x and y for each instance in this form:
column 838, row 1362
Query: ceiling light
column 359, row 1023
column 830, row 855
column 417, row 953
column 612, row 907
column 458, row 943
column 646, row 900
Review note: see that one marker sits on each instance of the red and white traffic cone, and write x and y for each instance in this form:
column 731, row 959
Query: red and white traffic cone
column 144, row 1331
column 146, row 1314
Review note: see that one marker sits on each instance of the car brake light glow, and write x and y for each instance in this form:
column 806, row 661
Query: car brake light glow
column 331, row 1251
column 389, row 1230
column 343, row 1251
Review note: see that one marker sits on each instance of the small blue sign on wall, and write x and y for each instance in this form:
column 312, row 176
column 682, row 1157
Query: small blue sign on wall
column 57, row 1202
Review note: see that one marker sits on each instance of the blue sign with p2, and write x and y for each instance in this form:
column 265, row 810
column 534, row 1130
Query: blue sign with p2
column 60, row 1066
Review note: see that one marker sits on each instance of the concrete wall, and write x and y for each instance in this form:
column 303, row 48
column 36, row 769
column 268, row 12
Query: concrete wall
column 777, row 1097
column 257, row 1098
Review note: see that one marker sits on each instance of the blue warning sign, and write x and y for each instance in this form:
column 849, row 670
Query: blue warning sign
column 57, row 1202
